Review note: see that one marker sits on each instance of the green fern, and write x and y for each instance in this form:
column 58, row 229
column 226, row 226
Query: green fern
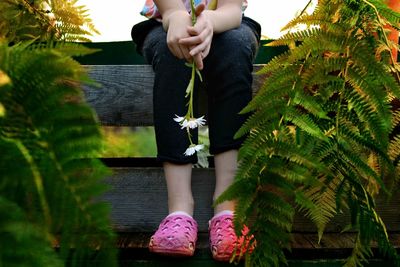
column 42, row 20
column 394, row 146
column 17, row 232
column 49, row 140
column 321, row 138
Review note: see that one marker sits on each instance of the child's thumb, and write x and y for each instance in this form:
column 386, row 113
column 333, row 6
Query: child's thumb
column 199, row 9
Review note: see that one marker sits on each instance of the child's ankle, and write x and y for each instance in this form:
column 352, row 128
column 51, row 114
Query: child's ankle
column 180, row 212
column 223, row 212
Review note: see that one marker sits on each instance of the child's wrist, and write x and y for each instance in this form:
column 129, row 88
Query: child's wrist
column 169, row 15
column 208, row 14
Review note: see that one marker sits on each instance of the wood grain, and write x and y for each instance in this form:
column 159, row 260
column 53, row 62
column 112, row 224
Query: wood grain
column 124, row 96
column 138, row 194
column 139, row 202
column 307, row 241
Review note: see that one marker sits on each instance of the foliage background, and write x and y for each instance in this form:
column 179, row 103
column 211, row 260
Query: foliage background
column 49, row 141
column 332, row 146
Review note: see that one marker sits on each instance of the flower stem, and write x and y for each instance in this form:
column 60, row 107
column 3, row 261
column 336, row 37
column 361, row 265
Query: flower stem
column 189, row 117
column 193, row 12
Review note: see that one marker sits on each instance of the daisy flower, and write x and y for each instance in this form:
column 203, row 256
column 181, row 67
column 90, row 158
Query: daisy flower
column 193, row 149
column 179, row 119
column 192, row 123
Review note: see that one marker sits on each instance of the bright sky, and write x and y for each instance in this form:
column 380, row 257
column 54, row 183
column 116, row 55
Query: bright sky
column 114, row 21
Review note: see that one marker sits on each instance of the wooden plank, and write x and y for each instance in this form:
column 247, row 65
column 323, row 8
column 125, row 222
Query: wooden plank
column 135, row 246
column 125, row 97
column 139, row 198
column 343, row 241
column 139, row 202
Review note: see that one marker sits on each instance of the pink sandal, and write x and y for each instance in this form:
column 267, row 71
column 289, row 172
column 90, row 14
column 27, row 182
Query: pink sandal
column 176, row 236
column 223, row 240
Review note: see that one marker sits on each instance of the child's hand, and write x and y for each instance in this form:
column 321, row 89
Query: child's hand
column 201, row 35
column 178, row 22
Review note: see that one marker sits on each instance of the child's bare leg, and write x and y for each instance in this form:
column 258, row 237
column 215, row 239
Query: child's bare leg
column 225, row 170
column 178, row 179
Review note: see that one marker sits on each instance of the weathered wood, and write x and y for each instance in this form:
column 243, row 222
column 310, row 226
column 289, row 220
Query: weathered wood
column 133, row 252
column 138, row 193
column 125, row 95
column 139, row 198
column 305, row 241
column 139, row 202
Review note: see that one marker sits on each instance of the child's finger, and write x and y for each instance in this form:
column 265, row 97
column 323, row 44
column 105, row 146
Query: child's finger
column 180, row 51
column 198, row 60
column 201, row 47
column 196, row 39
column 186, row 53
column 191, row 41
column 193, row 31
column 200, row 8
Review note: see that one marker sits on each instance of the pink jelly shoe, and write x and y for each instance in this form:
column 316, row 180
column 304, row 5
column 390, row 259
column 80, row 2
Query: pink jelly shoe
column 176, row 236
column 223, row 240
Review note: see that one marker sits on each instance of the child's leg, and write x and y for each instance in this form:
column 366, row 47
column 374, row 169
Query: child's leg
column 228, row 74
column 171, row 79
column 170, row 82
column 178, row 179
column 177, row 233
column 225, row 169
column 228, row 71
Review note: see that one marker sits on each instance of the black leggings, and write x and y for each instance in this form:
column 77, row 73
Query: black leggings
column 227, row 76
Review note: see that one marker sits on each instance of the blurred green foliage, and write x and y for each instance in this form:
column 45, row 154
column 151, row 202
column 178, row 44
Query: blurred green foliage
column 49, row 141
column 129, row 142
column 140, row 142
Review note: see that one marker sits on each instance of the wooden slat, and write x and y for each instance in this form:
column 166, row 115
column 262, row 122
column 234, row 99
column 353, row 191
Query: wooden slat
column 125, row 97
column 134, row 247
column 299, row 241
column 139, row 198
column 139, row 202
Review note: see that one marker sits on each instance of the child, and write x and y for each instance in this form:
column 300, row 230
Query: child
column 223, row 44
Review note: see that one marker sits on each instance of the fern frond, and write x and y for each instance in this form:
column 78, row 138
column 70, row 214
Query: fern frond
column 367, row 114
column 43, row 21
column 359, row 255
column 319, row 203
column 17, row 232
column 394, row 148
column 362, row 141
column 306, row 19
column 261, row 117
column 304, row 122
column 289, row 38
column 55, row 132
column 360, row 166
column 276, row 89
column 390, row 15
column 371, row 91
column 275, row 63
column 319, row 129
column 310, row 104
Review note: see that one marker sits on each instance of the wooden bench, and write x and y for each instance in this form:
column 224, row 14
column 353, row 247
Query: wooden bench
column 139, row 197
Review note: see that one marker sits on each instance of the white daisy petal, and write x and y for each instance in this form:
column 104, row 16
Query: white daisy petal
column 184, row 124
column 193, row 149
column 178, row 118
column 190, row 151
column 192, row 124
column 200, row 121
